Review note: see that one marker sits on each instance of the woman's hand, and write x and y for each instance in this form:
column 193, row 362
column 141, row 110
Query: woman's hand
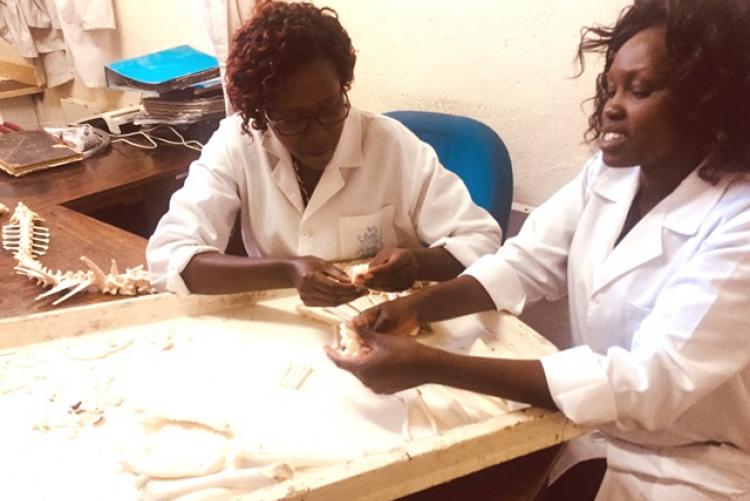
column 388, row 363
column 319, row 283
column 398, row 317
column 392, row 269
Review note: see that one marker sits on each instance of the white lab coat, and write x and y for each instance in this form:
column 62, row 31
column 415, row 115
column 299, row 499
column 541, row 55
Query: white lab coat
column 661, row 323
column 383, row 187
column 90, row 36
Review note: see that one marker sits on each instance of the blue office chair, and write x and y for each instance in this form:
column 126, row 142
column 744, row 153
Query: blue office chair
column 473, row 151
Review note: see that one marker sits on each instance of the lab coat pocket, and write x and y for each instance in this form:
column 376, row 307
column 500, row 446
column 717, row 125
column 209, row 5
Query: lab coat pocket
column 363, row 236
column 635, row 315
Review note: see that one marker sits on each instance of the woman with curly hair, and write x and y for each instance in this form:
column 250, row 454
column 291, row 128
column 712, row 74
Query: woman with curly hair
column 313, row 179
column 651, row 244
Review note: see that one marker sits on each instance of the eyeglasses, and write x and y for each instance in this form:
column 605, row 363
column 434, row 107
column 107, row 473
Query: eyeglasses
column 326, row 117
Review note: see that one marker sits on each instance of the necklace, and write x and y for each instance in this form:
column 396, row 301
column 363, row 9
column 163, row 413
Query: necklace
column 302, row 189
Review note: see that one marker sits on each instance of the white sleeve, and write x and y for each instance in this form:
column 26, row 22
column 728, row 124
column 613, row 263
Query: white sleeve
column 693, row 341
column 445, row 215
column 533, row 264
column 200, row 217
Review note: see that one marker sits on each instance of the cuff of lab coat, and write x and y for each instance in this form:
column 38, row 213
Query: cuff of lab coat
column 500, row 281
column 579, row 386
column 177, row 262
column 463, row 252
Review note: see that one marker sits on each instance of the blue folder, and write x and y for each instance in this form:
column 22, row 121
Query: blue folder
column 161, row 71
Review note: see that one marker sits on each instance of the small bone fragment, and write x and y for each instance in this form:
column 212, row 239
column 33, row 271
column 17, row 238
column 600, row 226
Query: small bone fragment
column 357, row 271
column 347, row 342
column 294, row 376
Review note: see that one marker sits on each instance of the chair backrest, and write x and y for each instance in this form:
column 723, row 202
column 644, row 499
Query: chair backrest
column 473, row 151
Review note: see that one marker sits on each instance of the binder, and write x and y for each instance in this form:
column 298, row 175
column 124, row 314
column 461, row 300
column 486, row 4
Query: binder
column 166, row 70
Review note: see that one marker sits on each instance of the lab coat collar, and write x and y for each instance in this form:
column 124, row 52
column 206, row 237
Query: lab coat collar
column 348, row 154
column 682, row 212
column 617, row 184
column 282, row 171
column 690, row 203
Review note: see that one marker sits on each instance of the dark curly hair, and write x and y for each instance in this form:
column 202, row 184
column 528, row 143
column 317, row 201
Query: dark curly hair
column 709, row 43
column 276, row 40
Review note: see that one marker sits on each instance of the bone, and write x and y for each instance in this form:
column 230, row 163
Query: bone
column 61, row 286
column 347, row 342
column 351, row 307
column 100, row 278
column 80, row 287
column 295, row 376
column 344, row 314
column 358, row 270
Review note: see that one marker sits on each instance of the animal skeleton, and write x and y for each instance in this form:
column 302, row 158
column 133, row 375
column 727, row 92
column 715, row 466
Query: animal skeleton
column 28, row 241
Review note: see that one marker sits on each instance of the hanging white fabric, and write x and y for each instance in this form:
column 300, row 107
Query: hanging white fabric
column 222, row 18
column 62, row 37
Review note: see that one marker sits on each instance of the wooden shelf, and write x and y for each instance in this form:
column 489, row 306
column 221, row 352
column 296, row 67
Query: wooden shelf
column 11, row 88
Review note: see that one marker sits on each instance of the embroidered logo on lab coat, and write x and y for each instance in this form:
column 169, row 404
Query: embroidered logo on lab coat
column 370, row 242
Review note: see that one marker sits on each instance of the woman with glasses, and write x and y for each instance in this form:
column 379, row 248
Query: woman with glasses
column 651, row 244
column 313, row 180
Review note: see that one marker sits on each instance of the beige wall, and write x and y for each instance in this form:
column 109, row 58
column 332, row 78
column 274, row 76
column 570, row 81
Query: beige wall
column 504, row 62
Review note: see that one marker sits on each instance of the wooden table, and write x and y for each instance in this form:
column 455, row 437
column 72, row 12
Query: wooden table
column 62, row 194
column 122, row 173
column 95, row 181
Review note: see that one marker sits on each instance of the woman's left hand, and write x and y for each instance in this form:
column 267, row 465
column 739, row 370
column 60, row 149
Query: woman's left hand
column 392, row 269
column 388, row 363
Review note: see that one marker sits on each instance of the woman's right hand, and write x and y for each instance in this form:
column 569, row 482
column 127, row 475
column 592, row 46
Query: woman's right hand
column 320, row 283
column 398, row 317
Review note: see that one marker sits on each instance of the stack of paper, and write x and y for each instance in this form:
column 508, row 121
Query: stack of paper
column 179, row 85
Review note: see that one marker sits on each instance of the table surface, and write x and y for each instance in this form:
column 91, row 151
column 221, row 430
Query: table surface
column 73, row 234
column 101, row 176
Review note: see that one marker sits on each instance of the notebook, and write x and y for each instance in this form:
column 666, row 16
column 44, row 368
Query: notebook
column 27, row 151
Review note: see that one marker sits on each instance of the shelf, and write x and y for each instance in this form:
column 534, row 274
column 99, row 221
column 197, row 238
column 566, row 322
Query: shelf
column 11, row 88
